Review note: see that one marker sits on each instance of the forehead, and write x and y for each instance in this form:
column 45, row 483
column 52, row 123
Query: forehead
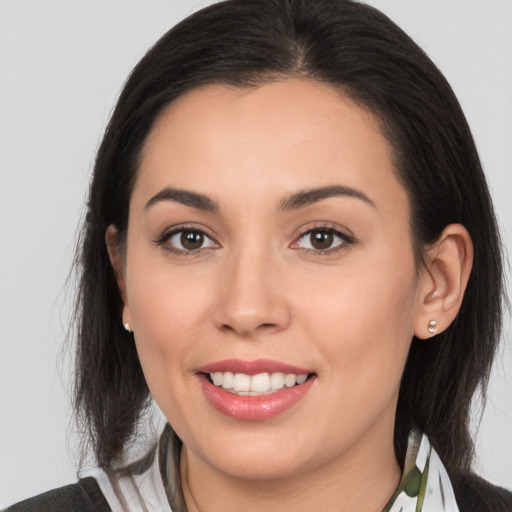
column 271, row 139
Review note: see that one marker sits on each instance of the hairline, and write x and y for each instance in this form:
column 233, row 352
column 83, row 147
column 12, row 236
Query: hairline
column 374, row 114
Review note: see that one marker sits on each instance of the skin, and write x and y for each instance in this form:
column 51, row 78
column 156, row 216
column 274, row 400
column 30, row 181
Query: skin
column 258, row 289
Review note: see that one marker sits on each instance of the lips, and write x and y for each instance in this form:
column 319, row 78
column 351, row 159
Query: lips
column 254, row 390
column 252, row 367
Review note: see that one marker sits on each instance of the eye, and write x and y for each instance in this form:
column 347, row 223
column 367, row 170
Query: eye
column 322, row 240
column 186, row 241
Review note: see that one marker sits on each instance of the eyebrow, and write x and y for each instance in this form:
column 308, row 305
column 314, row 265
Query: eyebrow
column 308, row 197
column 297, row 200
column 185, row 197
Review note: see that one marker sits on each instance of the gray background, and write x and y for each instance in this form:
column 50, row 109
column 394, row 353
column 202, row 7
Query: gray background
column 62, row 63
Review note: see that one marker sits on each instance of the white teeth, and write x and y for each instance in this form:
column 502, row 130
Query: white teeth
column 290, row 380
column 242, row 382
column 228, row 380
column 301, row 378
column 262, row 383
column 277, row 381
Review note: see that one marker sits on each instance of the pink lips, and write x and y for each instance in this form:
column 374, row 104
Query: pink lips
column 252, row 367
column 253, row 408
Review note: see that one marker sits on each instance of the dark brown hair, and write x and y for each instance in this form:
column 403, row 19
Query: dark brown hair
column 356, row 49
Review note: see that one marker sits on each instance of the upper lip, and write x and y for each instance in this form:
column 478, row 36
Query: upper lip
column 253, row 367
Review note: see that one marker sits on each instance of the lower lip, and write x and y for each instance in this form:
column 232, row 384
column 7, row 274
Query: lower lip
column 253, row 408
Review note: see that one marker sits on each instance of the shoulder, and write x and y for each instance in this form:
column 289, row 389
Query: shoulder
column 474, row 494
column 84, row 496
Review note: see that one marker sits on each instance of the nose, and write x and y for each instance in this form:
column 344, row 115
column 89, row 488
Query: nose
column 252, row 297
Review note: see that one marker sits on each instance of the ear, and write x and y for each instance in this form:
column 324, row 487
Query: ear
column 118, row 264
column 448, row 266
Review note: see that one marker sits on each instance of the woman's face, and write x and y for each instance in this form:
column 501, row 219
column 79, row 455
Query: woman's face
column 268, row 235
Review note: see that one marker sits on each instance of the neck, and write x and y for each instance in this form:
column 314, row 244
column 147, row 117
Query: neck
column 362, row 479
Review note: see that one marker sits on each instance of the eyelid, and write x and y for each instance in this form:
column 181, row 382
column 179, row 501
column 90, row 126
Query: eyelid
column 171, row 231
column 343, row 233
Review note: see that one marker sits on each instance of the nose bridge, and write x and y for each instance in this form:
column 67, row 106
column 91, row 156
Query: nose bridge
column 251, row 298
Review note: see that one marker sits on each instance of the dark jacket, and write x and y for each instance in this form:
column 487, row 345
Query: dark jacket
column 472, row 492
column 84, row 496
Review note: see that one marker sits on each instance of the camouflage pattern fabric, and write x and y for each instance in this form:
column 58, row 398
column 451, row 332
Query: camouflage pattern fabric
column 425, row 485
column 154, row 482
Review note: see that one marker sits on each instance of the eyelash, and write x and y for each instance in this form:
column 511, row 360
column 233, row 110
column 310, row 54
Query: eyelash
column 163, row 240
column 345, row 238
column 176, row 230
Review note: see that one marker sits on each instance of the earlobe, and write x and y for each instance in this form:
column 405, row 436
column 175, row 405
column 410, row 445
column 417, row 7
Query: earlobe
column 117, row 262
column 449, row 263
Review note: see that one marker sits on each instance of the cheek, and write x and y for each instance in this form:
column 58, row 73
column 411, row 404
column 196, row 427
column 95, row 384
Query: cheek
column 363, row 321
column 167, row 310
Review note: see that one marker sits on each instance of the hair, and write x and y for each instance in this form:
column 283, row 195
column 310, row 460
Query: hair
column 360, row 52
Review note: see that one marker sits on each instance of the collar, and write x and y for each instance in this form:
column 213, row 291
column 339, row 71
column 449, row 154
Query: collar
column 424, row 486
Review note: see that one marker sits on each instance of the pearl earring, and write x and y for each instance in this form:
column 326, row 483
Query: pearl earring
column 127, row 327
column 432, row 327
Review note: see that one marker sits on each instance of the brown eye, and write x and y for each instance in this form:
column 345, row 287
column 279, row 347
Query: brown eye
column 321, row 240
column 191, row 240
column 187, row 240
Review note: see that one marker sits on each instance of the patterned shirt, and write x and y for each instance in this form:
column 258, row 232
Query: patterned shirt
column 153, row 483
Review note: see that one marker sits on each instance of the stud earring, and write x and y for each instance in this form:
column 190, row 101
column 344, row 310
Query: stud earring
column 432, row 327
column 127, row 327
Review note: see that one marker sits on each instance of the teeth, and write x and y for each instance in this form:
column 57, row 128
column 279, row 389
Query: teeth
column 242, row 382
column 217, row 378
column 263, row 383
column 260, row 382
column 290, row 380
column 228, row 379
column 301, row 379
column 277, row 381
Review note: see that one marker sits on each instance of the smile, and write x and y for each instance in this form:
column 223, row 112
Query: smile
column 256, row 385
column 254, row 390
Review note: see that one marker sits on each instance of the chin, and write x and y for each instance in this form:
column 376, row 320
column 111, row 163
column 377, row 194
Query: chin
column 257, row 456
column 266, row 467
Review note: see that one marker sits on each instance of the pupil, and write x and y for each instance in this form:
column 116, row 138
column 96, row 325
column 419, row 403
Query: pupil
column 321, row 239
column 191, row 240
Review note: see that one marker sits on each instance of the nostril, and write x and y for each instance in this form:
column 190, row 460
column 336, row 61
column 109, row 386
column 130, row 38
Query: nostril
column 246, row 319
column 245, row 330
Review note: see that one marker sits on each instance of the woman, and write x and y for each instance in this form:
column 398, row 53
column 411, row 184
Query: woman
column 290, row 245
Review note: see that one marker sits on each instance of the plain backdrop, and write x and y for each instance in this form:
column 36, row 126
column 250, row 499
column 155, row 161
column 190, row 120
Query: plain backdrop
column 62, row 64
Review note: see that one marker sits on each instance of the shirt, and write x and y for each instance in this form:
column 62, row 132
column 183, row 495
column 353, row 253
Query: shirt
column 153, row 484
